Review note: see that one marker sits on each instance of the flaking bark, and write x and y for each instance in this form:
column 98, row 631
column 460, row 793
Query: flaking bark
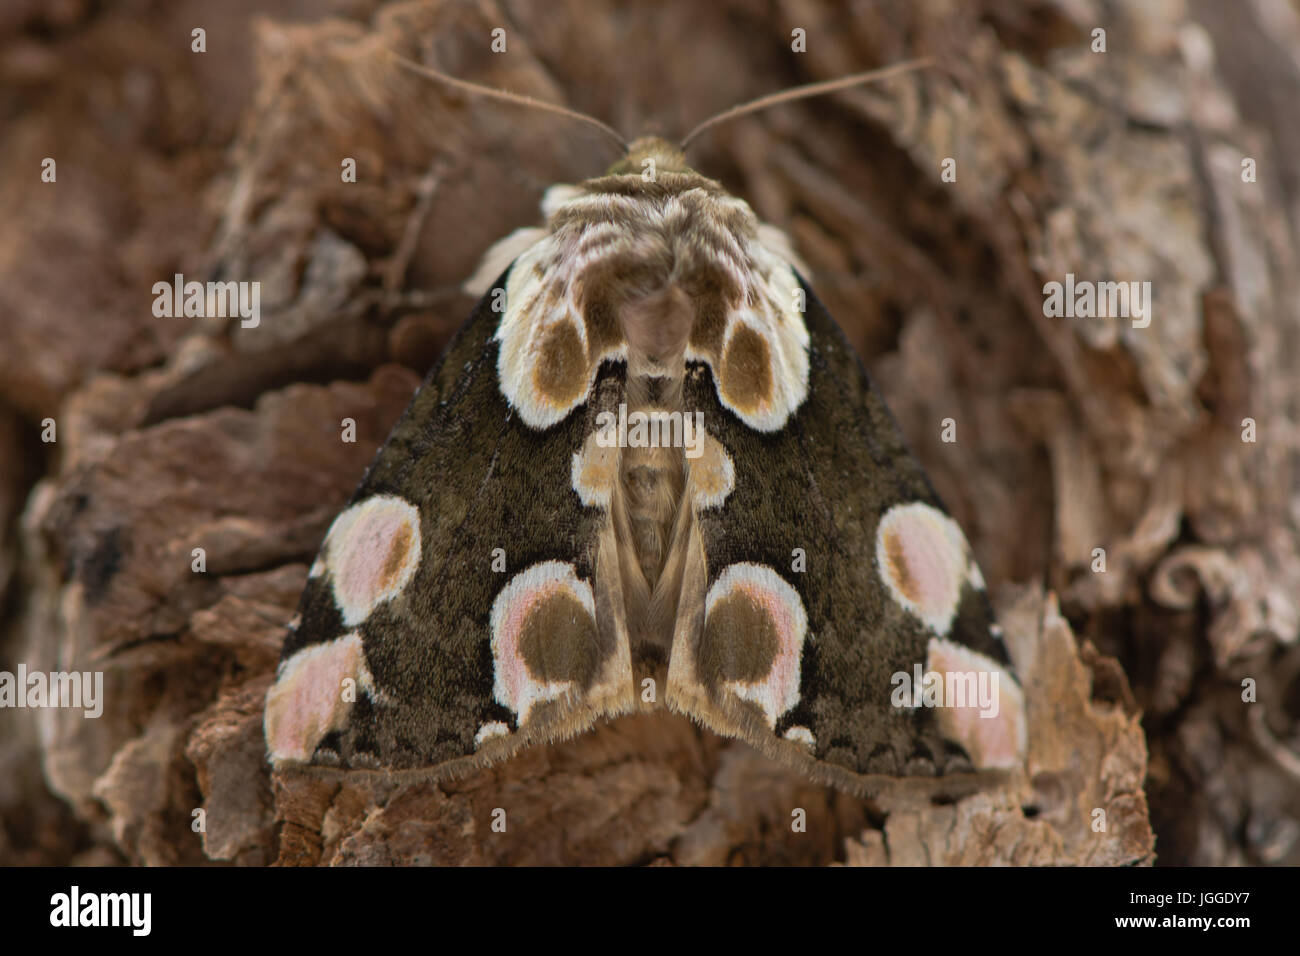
column 1072, row 434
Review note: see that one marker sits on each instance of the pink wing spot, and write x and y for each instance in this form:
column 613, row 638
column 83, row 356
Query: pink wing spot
column 307, row 699
column 778, row 692
column 513, row 685
column 993, row 730
column 924, row 560
column 372, row 552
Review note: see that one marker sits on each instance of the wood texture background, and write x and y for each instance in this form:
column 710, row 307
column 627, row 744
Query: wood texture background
column 1072, row 433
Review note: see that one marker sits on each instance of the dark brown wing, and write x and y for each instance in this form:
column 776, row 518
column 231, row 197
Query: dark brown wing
column 459, row 608
column 828, row 579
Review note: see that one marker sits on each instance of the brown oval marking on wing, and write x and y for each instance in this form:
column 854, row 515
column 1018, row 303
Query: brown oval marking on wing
column 898, row 571
column 745, row 379
column 544, row 638
column 739, row 642
column 399, row 552
column 561, row 371
column 755, row 626
column 558, row 641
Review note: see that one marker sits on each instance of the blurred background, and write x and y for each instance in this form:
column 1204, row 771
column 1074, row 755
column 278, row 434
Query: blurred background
column 211, row 140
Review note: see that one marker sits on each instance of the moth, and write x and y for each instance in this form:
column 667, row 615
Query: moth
column 649, row 471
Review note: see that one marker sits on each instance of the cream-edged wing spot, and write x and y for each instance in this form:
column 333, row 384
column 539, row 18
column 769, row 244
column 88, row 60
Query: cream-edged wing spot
column 546, row 363
column 595, row 468
column 371, row 554
column 746, row 375
column 712, row 475
column 760, row 366
column 924, row 560
column 542, row 365
column 308, row 699
column 544, row 638
column 754, row 629
column 993, row 733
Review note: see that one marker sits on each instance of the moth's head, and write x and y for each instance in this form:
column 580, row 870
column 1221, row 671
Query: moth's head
column 664, row 155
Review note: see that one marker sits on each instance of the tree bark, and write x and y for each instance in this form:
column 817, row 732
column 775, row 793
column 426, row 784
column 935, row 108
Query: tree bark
column 1171, row 678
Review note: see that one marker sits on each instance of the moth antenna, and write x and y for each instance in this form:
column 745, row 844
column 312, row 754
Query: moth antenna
column 506, row 96
column 805, row 91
